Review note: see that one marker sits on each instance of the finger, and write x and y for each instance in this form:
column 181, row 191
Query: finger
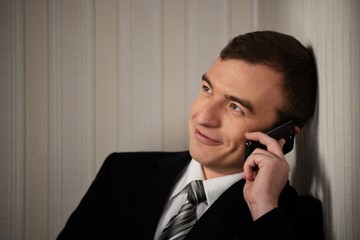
column 281, row 142
column 248, row 169
column 271, row 144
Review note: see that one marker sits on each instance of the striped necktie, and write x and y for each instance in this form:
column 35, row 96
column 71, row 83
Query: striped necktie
column 180, row 224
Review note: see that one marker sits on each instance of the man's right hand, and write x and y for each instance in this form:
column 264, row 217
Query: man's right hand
column 263, row 186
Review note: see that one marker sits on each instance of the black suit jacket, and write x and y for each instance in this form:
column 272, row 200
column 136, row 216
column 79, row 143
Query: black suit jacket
column 128, row 194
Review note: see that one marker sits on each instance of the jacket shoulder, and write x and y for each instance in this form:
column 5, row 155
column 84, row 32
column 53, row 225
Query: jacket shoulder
column 143, row 155
column 144, row 158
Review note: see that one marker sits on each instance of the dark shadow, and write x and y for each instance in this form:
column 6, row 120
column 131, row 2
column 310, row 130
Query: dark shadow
column 308, row 177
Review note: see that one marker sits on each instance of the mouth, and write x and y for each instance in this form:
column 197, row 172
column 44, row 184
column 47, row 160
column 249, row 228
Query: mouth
column 201, row 137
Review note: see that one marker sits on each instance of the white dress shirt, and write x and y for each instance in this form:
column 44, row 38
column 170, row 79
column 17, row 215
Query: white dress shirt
column 213, row 189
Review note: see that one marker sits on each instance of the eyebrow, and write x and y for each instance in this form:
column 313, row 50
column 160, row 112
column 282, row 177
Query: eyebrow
column 206, row 79
column 244, row 102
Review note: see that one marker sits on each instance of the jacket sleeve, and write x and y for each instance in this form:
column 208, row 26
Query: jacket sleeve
column 272, row 225
column 305, row 222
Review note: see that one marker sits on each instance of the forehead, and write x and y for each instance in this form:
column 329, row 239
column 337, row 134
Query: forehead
column 258, row 83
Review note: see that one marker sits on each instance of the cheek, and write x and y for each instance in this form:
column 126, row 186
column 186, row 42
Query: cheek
column 192, row 114
column 236, row 140
column 192, row 109
column 234, row 133
column 195, row 107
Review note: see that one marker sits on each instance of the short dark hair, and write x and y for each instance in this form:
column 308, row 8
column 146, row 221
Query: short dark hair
column 287, row 55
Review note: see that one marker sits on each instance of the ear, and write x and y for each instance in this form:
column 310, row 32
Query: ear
column 297, row 130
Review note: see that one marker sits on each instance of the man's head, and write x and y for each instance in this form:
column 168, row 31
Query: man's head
column 259, row 80
column 288, row 56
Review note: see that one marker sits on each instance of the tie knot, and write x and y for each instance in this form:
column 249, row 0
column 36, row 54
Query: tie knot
column 196, row 192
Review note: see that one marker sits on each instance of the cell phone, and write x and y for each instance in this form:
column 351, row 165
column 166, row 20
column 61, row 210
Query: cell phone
column 285, row 131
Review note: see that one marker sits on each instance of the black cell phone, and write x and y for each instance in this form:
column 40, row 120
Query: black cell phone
column 285, row 131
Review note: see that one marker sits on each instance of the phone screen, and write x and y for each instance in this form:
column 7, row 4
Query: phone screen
column 285, row 131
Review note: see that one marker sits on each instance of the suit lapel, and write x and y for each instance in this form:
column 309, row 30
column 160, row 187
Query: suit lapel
column 156, row 186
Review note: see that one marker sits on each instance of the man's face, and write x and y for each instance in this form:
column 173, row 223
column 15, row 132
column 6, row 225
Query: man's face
column 235, row 97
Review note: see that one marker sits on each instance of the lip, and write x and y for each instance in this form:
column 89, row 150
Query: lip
column 205, row 139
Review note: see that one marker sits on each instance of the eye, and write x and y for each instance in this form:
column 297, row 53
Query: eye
column 205, row 88
column 235, row 107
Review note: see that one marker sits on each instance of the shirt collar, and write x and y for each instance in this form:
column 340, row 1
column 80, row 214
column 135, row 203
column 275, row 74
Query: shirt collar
column 193, row 172
column 213, row 187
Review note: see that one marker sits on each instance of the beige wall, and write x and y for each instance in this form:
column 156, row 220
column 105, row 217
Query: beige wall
column 81, row 79
column 329, row 149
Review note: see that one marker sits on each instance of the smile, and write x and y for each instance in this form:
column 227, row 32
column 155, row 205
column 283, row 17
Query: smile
column 205, row 139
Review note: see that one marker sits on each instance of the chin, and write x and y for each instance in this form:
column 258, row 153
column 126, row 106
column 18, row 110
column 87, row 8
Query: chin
column 214, row 157
column 198, row 153
column 205, row 156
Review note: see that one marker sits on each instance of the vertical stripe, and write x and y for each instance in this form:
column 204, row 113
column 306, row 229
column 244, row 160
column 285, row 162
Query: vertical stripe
column 55, row 116
column 37, row 148
column 106, row 79
column 175, row 109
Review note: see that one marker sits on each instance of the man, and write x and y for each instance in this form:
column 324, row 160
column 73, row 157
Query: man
column 260, row 80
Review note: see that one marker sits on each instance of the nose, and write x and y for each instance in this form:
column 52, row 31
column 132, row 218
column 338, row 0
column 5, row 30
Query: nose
column 209, row 115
